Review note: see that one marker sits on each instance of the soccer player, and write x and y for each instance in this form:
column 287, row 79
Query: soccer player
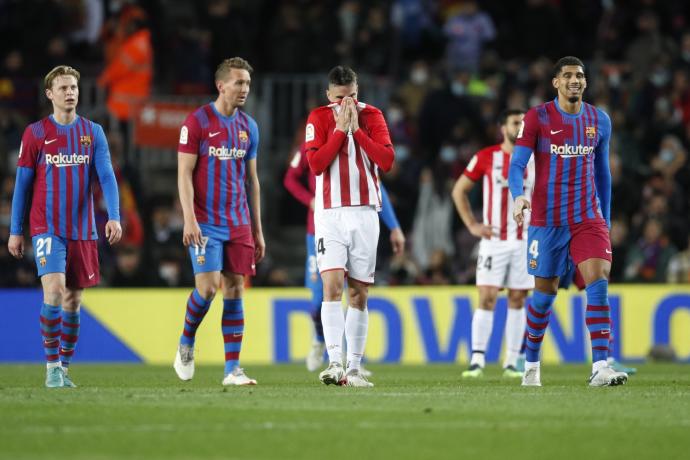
column 216, row 156
column 347, row 142
column 294, row 182
column 570, row 213
column 57, row 160
column 503, row 245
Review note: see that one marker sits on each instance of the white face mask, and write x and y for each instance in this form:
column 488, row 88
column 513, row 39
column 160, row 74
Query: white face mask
column 169, row 272
column 419, row 76
column 394, row 115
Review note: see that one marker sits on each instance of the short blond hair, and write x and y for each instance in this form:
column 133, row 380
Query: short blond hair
column 236, row 62
column 60, row 71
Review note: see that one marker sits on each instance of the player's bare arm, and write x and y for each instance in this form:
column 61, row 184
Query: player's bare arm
column 191, row 233
column 521, row 206
column 255, row 204
column 460, row 193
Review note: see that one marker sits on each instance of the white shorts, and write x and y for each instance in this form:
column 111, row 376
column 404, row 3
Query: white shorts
column 346, row 239
column 503, row 264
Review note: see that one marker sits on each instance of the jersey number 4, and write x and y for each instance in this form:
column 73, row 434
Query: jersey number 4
column 534, row 249
column 320, row 248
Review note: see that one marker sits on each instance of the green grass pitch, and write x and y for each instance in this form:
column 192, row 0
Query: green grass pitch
column 416, row 412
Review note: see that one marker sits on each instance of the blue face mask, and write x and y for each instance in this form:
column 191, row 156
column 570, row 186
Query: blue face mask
column 457, row 88
column 448, row 154
column 402, row 152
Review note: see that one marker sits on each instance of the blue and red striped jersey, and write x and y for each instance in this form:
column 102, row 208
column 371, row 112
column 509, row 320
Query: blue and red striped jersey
column 63, row 161
column 566, row 147
column 223, row 145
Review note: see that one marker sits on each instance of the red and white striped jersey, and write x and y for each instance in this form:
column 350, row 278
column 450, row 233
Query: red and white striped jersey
column 492, row 164
column 352, row 178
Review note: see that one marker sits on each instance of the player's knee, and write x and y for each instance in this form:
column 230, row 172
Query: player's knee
column 54, row 294
column 516, row 299
column 487, row 302
column 207, row 290
column 233, row 292
column 358, row 300
column 71, row 302
column 332, row 291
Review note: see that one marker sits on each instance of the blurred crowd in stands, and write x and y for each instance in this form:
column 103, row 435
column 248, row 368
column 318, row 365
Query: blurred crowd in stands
column 451, row 66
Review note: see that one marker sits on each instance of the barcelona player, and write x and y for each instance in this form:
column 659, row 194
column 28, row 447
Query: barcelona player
column 60, row 158
column 570, row 212
column 216, row 158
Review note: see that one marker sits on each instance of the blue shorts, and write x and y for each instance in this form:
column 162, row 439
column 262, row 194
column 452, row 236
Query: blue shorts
column 77, row 259
column 312, row 277
column 224, row 249
column 550, row 249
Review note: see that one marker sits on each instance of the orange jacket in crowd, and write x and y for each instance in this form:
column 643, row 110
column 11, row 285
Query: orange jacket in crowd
column 128, row 76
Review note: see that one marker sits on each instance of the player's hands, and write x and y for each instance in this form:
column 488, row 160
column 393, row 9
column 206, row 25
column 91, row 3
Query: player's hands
column 522, row 204
column 113, row 231
column 354, row 115
column 481, row 231
column 397, row 241
column 312, row 204
column 259, row 247
column 16, row 246
column 342, row 120
column 191, row 234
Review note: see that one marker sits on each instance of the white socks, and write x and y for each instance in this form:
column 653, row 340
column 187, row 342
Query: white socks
column 356, row 326
column 482, row 323
column 333, row 321
column 514, row 332
column 529, row 365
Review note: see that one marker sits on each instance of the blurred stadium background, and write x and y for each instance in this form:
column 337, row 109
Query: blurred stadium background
column 441, row 70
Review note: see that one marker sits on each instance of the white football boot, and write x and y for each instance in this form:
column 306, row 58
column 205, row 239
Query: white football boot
column 365, row 372
column 184, row 362
column 354, row 378
column 333, row 375
column 607, row 377
column 315, row 356
column 238, row 377
column 531, row 377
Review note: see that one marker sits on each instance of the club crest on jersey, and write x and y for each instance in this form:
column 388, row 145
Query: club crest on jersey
column 533, row 264
column 42, row 261
column 200, row 259
column 591, row 131
column 85, row 141
column 244, row 137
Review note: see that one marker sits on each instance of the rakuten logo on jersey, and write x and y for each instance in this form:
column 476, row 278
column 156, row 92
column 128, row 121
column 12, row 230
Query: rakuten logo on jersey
column 61, row 160
column 568, row 151
column 224, row 153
